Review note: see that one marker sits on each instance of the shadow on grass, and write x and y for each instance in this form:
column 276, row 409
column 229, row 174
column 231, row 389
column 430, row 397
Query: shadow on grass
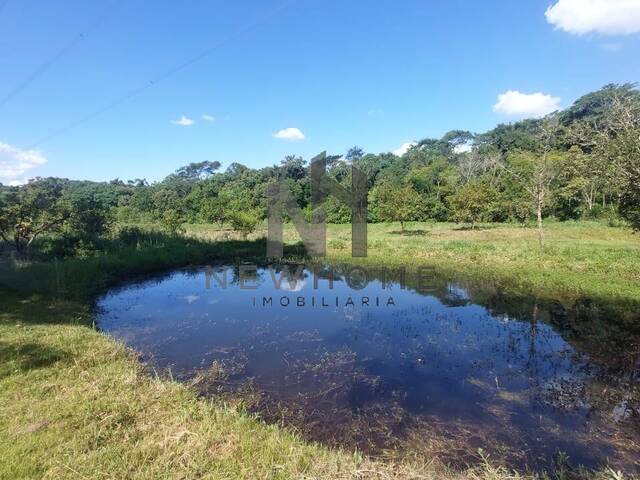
column 22, row 357
column 410, row 233
column 477, row 227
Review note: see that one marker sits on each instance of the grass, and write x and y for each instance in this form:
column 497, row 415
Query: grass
column 75, row 404
column 579, row 258
column 78, row 405
column 83, row 278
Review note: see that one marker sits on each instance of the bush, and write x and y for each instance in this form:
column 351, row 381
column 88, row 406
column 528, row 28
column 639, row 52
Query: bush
column 244, row 222
column 68, row 245
column 337, row 244
column 172, row 222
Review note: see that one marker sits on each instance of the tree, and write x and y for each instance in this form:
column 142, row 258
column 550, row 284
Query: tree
column 520, row 135
column 293, row 167
column 606, row 126
column 166, row 199
column 457, row 142
column 473, row 202
column 194, row 172
column 33, row 210
column 172, row 221
column 537, row 169
column 434, row 182
column 594, row 107
column 590, row 169
column 624, row 131
column 88, row 215
column 244, row 222
column 214, row 210
column 394, row 203
column 588, row 175
column 354, row 154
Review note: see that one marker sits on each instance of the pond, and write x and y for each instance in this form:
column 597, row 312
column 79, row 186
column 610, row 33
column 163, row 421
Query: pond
column 381, row 362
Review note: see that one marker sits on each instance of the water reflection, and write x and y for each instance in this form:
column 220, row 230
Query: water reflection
column 467, row 366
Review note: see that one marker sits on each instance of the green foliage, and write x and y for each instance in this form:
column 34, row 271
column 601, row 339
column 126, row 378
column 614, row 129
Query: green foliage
column 33, row 210
column 515, row 136
column 172, row 221
column 473, row 202
column 89, row 215
column 336, row 211
column 596, row 105
column 630, row 206
column 244, row 222
column 435, row 182
column 337, row 244
column 624, row 150
column 393, row 203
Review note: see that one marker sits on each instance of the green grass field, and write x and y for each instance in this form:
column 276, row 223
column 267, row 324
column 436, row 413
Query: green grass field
column 75, row 404
column 578, row 259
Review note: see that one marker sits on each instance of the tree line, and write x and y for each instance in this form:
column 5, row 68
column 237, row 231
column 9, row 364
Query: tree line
column 581, row 162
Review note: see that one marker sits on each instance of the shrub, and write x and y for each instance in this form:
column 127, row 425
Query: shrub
column 337, row 244
column 172, row 222
column 244, row 222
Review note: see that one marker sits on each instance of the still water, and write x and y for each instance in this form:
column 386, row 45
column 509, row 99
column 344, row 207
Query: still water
column 437, row 368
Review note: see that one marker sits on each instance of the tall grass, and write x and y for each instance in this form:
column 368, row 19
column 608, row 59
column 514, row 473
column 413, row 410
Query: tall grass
column 580, row 258
column 149, row 253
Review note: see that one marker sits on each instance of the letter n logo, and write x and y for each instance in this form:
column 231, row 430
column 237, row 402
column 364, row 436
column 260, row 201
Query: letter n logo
column 313, row 233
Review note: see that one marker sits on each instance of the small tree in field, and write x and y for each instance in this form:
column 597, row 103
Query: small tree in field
column 472, row 203
column 244, row 222
column 537, row 170
column 397, row 203
column 172, row 221
column 214, row 210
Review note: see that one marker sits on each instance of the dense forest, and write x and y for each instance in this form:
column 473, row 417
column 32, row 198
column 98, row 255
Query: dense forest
column 581, row 162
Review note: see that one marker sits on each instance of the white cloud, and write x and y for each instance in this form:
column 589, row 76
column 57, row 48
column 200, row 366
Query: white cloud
column 516, row 104
column 208, row 118
column 463, row 148
column 404, row 148
column 183, row 122
column 15, row 163
column 290, row 133
column 607, row 17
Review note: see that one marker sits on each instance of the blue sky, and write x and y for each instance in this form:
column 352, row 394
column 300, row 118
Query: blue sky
column 371, row 73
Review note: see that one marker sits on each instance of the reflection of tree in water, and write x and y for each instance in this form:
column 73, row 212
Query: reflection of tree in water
column 608, row 332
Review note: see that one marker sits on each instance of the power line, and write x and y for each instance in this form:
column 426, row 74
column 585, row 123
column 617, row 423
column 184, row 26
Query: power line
column 163, row 76
column 61, row 53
